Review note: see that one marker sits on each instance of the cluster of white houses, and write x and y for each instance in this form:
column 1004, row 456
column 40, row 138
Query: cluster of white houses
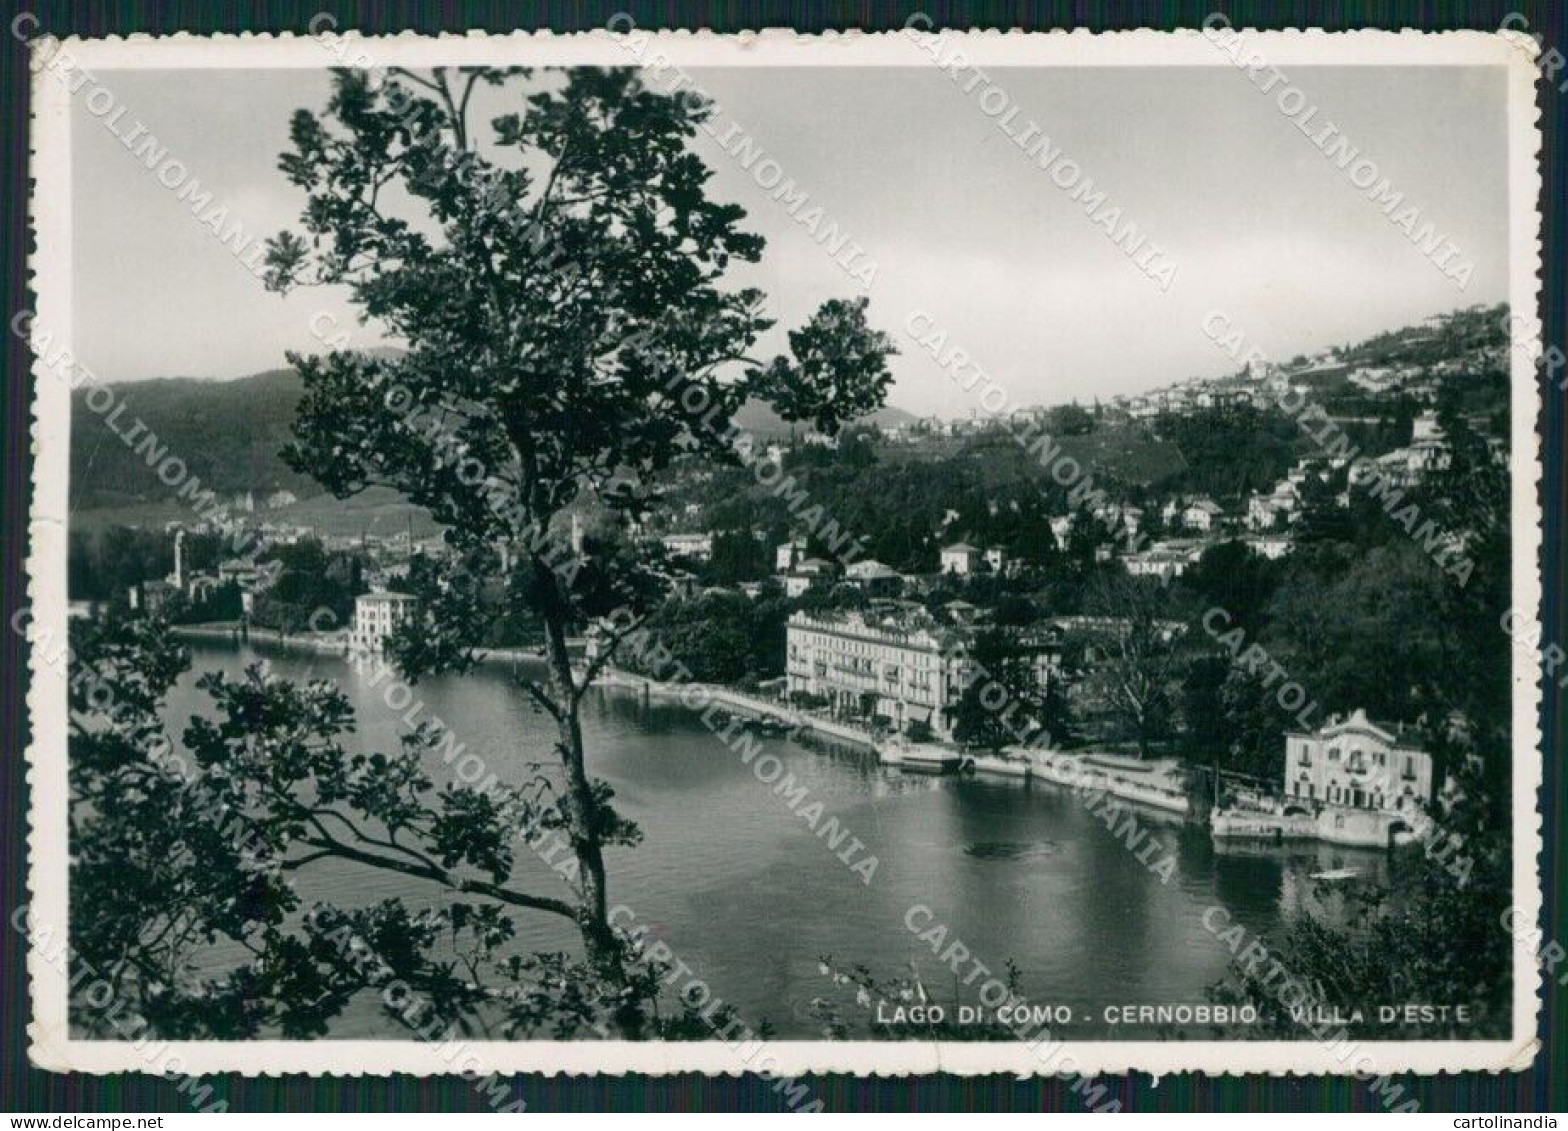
column 155, row 594
column 799, row 572
column 1192, row 522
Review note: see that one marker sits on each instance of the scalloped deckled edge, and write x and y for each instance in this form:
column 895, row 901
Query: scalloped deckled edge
column 50, row 267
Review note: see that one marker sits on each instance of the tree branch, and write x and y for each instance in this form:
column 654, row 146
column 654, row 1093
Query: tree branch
column 591, row 671
column 332, row 846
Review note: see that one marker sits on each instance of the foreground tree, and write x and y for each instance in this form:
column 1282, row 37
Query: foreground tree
column 1136, row 635
column 1440, row 936
column 1003, row 706
column 559, row 287
column 178, row 848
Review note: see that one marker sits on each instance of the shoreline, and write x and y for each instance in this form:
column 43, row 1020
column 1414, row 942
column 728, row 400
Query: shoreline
column 1088, row 769
column 321, row 643
column 1093, row 768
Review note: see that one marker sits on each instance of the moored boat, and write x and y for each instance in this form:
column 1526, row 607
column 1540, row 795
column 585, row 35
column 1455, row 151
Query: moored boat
column 922, row 759
column 933, row 761
column 1334, row 874
column 1243, row 824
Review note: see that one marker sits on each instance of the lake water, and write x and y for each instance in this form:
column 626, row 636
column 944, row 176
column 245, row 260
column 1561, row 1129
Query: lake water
column 748, row 897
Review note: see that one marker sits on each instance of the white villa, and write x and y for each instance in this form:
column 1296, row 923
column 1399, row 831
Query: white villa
column 378, row 615
column 960, row 559
column 1163, row 563
column 1201, row 514
column 1354, row 763
column 874, row 577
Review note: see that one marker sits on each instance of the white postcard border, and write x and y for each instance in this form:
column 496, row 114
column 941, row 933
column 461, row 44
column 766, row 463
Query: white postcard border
column 52, row 1046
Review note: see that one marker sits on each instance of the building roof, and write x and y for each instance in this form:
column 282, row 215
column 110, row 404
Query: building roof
column 903, row 625
column 1395, row 734
column 870, row 570
column 960, row 548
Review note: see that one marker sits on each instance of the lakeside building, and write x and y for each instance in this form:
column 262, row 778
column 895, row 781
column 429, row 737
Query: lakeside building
column 900, row 664
column 155, row 596
column 378, row 615
column 1355, row 763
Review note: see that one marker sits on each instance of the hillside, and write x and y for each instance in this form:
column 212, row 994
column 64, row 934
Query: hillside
column 760, row 420
column 229, row 434
column 1128, row 454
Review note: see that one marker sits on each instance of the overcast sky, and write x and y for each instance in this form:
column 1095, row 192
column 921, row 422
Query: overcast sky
column 958, row 222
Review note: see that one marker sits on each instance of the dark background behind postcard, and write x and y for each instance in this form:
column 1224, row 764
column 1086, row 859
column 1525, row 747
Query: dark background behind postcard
column 23, row 1088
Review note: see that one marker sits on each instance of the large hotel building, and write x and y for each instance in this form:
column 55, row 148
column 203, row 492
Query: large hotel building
column 902, row 664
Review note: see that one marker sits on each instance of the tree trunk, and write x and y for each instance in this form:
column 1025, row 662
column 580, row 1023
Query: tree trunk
column 599, row 941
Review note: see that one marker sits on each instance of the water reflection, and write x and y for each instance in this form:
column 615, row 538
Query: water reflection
column 747, row 893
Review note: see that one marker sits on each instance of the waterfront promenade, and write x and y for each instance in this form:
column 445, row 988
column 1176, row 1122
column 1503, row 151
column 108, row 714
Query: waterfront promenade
column 1159, row 783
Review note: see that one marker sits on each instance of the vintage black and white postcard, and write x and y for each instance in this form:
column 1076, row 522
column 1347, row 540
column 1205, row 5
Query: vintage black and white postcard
column 874, row 553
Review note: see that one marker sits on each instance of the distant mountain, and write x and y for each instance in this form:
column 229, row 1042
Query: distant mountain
column 759, row 419
column 229, row 434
